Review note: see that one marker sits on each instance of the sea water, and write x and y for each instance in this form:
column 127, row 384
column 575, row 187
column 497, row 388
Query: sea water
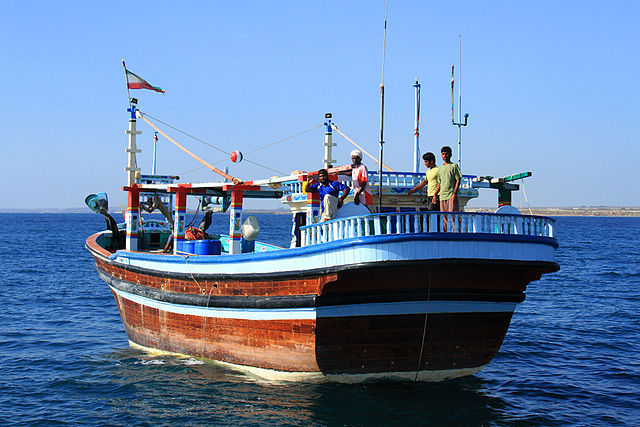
column 571, row 356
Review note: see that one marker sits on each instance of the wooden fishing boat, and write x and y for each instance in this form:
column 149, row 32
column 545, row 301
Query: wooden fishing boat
column 395, row 293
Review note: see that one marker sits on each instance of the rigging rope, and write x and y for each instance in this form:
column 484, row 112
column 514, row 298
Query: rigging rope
column 184, row 133
column 195, row 215
column 224, row 160
column 186, row 256
column 223, row 151
column 213, row 168
column 525, row 197
column 284, row 139
column 334, row 127
column 261, row 148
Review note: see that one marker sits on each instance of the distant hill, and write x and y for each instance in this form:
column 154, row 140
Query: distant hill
column 548, row 211
column 575, row 211
column 86, row 210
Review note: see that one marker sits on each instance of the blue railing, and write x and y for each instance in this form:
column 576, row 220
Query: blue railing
column 410, row 179
column 389, row 179
column 425, row 222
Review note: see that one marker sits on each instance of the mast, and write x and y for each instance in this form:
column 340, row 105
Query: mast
column 416, row 134
column 459, row 123
column 384, row 45
column 132, row 164
column 459, row 100
column 133, row 171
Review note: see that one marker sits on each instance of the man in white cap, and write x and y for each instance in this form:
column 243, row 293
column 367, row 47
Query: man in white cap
column 360, row 177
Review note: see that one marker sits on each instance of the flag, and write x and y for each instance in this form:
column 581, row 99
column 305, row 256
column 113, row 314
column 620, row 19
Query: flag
column 136, row 82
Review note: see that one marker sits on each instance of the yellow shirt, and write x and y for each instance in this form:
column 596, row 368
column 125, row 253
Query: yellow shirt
column 432, row 181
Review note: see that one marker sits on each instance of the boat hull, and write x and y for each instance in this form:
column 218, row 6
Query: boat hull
column 412, row 316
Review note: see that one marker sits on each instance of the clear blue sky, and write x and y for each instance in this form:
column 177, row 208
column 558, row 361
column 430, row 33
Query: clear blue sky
column 551, row 87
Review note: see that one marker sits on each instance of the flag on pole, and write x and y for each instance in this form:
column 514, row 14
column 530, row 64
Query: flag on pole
column 136, row 82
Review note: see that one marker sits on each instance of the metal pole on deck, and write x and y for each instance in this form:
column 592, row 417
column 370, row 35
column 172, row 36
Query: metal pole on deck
column 328, row 142
column 384, row 46
column 459, row 123
column 155, row 142
column 416, row 134
column 459, row 101
column 132, row 164
column 133, row 199
column 381, row 147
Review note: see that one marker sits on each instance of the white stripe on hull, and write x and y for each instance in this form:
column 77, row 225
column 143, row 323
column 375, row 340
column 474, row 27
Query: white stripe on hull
column 373, row 309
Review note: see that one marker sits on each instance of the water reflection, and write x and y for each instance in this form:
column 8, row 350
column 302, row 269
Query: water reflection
column 185, row 390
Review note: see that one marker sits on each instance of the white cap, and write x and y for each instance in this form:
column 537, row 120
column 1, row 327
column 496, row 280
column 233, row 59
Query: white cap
column 356, row 153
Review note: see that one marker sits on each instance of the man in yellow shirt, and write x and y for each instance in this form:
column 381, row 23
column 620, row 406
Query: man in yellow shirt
column 431, row 181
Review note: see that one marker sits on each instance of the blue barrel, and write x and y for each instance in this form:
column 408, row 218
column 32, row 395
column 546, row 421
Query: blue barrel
column 208, row 247
column 189, row 246
column 247, row 246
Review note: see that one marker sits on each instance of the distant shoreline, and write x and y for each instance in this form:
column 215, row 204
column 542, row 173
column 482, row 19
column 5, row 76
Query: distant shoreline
column 613, row 211
column 597, row 211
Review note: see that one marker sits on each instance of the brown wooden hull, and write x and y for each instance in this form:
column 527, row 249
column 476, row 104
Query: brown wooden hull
column 441, row 318
column 331, row 346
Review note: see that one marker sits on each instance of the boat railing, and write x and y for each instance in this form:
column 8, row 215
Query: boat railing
column 389, row 179
column 410, row 179
column 293, row 187
column 425, row 222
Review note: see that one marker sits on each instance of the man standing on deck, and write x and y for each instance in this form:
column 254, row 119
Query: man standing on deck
column 431, row 181
column 449, row 176
column 360, row 180
column 330, row 198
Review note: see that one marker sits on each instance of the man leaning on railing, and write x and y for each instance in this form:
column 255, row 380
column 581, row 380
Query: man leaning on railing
column 330, row 198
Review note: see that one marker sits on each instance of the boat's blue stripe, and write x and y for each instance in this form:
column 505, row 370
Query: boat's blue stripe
column 341, row 244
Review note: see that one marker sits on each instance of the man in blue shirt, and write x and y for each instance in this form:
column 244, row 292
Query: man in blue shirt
column 329, row 194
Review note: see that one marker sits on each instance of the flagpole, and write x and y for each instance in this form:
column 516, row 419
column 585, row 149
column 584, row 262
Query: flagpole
column 126, row 76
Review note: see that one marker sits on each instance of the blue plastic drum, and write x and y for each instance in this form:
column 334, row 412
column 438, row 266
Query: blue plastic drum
column 208, row 247
column 189, row 246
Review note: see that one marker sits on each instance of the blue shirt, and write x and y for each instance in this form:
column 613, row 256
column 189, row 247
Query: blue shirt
column 334, row 188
